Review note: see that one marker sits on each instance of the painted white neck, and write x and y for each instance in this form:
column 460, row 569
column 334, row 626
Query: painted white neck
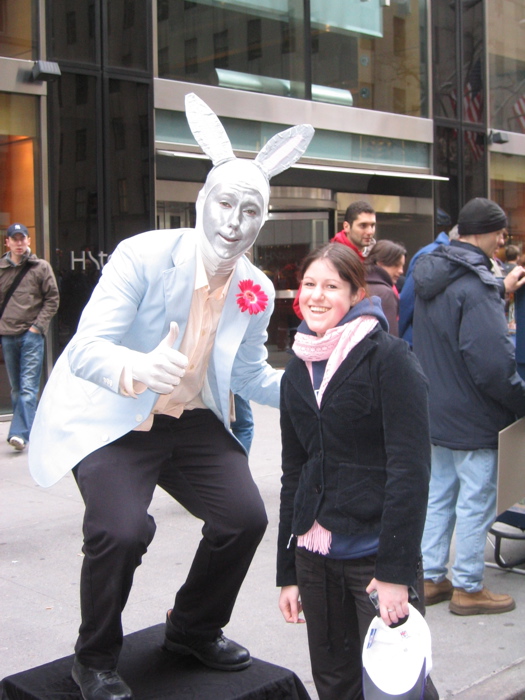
column 213, row 264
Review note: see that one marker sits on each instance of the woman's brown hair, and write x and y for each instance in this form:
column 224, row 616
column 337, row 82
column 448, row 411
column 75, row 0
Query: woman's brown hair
column 386, row 253
column 344, row 259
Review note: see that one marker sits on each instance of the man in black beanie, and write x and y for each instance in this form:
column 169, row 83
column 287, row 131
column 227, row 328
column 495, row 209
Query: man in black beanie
column 461, row 339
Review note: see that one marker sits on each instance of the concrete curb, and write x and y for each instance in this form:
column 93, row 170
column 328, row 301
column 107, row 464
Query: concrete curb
column 505, row 684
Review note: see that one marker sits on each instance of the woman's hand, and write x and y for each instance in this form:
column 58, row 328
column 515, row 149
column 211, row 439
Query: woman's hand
column 290, row 604
column 393, row 600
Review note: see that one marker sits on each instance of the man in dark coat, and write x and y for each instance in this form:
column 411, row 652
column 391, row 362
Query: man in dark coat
column 461, row 340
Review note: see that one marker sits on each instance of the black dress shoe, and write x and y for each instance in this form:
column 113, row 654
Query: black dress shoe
column 99, row 685
column 220, row 653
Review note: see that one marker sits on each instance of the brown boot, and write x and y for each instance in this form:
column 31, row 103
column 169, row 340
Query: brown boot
column 482, row 602
column 437, row 592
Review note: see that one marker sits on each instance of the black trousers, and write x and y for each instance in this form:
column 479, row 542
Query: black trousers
column 338, row 613
column 198, row 463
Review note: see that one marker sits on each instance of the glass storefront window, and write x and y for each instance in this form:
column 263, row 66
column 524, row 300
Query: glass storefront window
column 18, row 131
column 129, row 158
column 459, row 90
column 444, row 59
column 375, row 52
column 72, row 30
column 446, row 165
column 18, row 171
column 473, row 62
column 101, row 198
column 371, row 55
column 74, row 184
column 474, row 163
column 506, row 53
column 172, row 127
column 250, row 45
column 75, row 28
column 18, row 29
column 507, row 188
column 127, row 21
column 285, row 239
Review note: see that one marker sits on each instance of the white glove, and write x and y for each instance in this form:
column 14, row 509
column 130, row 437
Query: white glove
column 161, row 369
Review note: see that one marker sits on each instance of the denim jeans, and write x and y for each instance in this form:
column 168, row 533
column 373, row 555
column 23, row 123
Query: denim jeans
column 242, row 426
column 23, row 356
column 462, row 494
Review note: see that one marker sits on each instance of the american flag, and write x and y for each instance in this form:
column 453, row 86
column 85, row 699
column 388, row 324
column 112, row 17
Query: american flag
column 475, row 140
column 519, row 109
column 473, row 108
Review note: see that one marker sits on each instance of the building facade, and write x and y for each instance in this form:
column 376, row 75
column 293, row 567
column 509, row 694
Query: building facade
column 418, row 105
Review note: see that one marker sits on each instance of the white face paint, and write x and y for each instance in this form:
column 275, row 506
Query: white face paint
column 231, row 209
column 232, row 217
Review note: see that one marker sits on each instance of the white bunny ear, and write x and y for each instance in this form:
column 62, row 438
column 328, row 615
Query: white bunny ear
column 284, row 149
column 207, row 129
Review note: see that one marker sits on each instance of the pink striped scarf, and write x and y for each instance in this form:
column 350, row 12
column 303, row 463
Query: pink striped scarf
column 333, row 346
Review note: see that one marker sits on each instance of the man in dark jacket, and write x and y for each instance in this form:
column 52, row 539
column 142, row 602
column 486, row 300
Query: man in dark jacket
column 461, row 340
column 407, row 296
column 28, row 305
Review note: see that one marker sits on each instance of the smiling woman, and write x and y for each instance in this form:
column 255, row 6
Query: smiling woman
column 326, row 297
column 353, row 494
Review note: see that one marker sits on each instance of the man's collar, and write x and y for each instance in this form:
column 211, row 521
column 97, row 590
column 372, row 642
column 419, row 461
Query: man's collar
column 24, row 257
column 474, row 249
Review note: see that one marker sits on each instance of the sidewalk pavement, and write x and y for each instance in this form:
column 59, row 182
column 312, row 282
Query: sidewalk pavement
column 475, row 658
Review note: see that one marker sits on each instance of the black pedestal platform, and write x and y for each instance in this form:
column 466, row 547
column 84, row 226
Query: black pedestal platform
column 155, row 674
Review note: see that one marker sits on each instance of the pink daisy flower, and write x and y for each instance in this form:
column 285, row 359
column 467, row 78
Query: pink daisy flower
column 251, row 298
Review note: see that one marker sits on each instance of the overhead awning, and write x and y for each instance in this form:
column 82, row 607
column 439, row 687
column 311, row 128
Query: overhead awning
column 194, row 167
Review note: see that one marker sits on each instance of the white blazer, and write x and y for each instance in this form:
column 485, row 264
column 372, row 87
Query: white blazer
column 147, row 283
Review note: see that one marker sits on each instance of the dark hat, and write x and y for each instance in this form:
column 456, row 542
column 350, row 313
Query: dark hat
column 481, row 215
column 17, row 228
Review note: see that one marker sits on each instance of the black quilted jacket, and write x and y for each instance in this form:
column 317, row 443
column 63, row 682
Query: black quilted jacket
column 360, row 462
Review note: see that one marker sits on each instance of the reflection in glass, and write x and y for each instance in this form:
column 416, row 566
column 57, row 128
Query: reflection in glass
column 284, row 241
column 474, row 163
column 367, row 54
column 100, row 142
column 446, row 158
column 129, row 160
column 376, row 53
column 473, row 62
column 250, row 45
column 506, row 52
column 17, row 34
column 127, row 21
column 248, row 135
column 507, row 185
column 72, row 30
column 75, row 184
column 444, row 59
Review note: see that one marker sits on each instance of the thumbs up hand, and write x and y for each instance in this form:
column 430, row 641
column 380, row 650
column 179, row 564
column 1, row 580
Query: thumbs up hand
column 161, row 369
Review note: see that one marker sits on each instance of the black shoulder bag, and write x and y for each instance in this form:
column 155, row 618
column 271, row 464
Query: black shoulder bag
column 13, row 286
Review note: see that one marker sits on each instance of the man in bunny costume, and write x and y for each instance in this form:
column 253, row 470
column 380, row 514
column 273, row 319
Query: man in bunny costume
column 142, row 395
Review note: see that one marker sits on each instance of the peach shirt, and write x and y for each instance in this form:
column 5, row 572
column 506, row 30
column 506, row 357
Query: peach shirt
column 197, row 344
